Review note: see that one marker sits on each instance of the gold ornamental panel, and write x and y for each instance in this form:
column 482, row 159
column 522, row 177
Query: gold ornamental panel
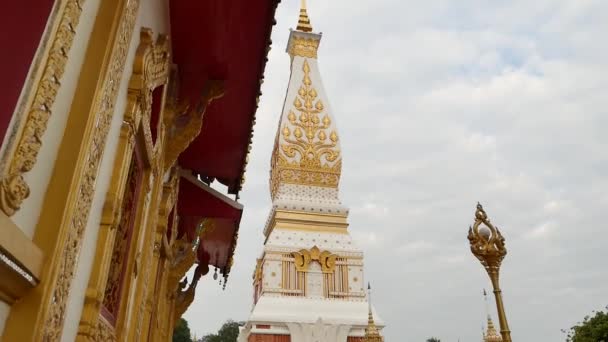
column 325, row 258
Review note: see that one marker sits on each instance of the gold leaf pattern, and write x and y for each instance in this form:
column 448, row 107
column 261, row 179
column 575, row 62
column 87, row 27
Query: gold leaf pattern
column 305, row 155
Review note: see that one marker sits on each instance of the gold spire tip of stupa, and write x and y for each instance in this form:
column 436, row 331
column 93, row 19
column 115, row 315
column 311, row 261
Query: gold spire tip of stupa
column 371, row 331
column 303, row 20
column 491, row 334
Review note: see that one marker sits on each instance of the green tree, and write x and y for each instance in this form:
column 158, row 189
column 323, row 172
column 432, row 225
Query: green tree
column 433, row 339
column 181, row 333
column 229, row 332
column 591, row 329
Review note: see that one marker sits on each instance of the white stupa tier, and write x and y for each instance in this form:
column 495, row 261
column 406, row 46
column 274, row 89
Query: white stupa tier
column 309, row 281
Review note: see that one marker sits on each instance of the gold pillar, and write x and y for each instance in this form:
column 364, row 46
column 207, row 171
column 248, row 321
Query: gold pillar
column 488, row 245
column 157, row 297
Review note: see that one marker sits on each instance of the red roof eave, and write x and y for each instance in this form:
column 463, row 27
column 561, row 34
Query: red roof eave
column 229, row 41
column 197, row 202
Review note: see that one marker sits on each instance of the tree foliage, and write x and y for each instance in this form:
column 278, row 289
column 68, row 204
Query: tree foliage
column 591, row 329
column 229, row 332
column 181, row 333
column 433, row 339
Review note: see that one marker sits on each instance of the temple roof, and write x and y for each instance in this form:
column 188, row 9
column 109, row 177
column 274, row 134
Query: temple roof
column 206, row 48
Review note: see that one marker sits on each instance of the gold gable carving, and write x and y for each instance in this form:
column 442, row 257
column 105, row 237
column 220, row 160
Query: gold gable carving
column 308, row 153
column 184, row 122
column 303, row 258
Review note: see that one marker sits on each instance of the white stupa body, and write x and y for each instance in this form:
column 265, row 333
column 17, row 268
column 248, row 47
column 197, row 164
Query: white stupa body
column 309, row 281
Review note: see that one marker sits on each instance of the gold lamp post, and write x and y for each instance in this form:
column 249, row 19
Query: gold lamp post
column 488, row 245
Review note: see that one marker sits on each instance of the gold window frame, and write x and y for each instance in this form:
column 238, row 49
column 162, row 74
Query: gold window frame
column 150, row 70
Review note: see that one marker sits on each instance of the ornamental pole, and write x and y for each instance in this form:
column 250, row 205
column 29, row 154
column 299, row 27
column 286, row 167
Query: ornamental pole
column 488, row 246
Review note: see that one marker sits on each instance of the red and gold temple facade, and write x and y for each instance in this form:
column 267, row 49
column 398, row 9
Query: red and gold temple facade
column 116, row 116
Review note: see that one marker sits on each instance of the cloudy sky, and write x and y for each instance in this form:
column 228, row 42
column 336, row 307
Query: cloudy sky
column 440, row 104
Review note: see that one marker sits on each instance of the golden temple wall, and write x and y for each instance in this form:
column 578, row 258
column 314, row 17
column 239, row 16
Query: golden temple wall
column 24, row 221
column 39, row 177
column 77, row 158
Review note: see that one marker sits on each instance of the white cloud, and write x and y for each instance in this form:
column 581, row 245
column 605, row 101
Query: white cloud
column 541, row 231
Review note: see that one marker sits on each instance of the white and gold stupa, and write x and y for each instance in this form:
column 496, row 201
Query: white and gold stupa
column 309, row 282
column 491, row 335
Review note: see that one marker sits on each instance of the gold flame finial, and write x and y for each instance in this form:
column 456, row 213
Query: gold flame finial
column 303, row 20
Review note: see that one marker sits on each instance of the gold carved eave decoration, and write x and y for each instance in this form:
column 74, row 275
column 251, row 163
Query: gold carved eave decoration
column 182, row 257
column 184, row 298
column 306, row 150
column 303, row 47
column 13, row 187
column 182, row 254
column 304, row 257
column 184, row 122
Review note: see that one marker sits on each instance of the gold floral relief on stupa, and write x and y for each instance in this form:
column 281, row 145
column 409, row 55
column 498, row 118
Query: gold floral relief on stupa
column 307, row 152
column 303, row 47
